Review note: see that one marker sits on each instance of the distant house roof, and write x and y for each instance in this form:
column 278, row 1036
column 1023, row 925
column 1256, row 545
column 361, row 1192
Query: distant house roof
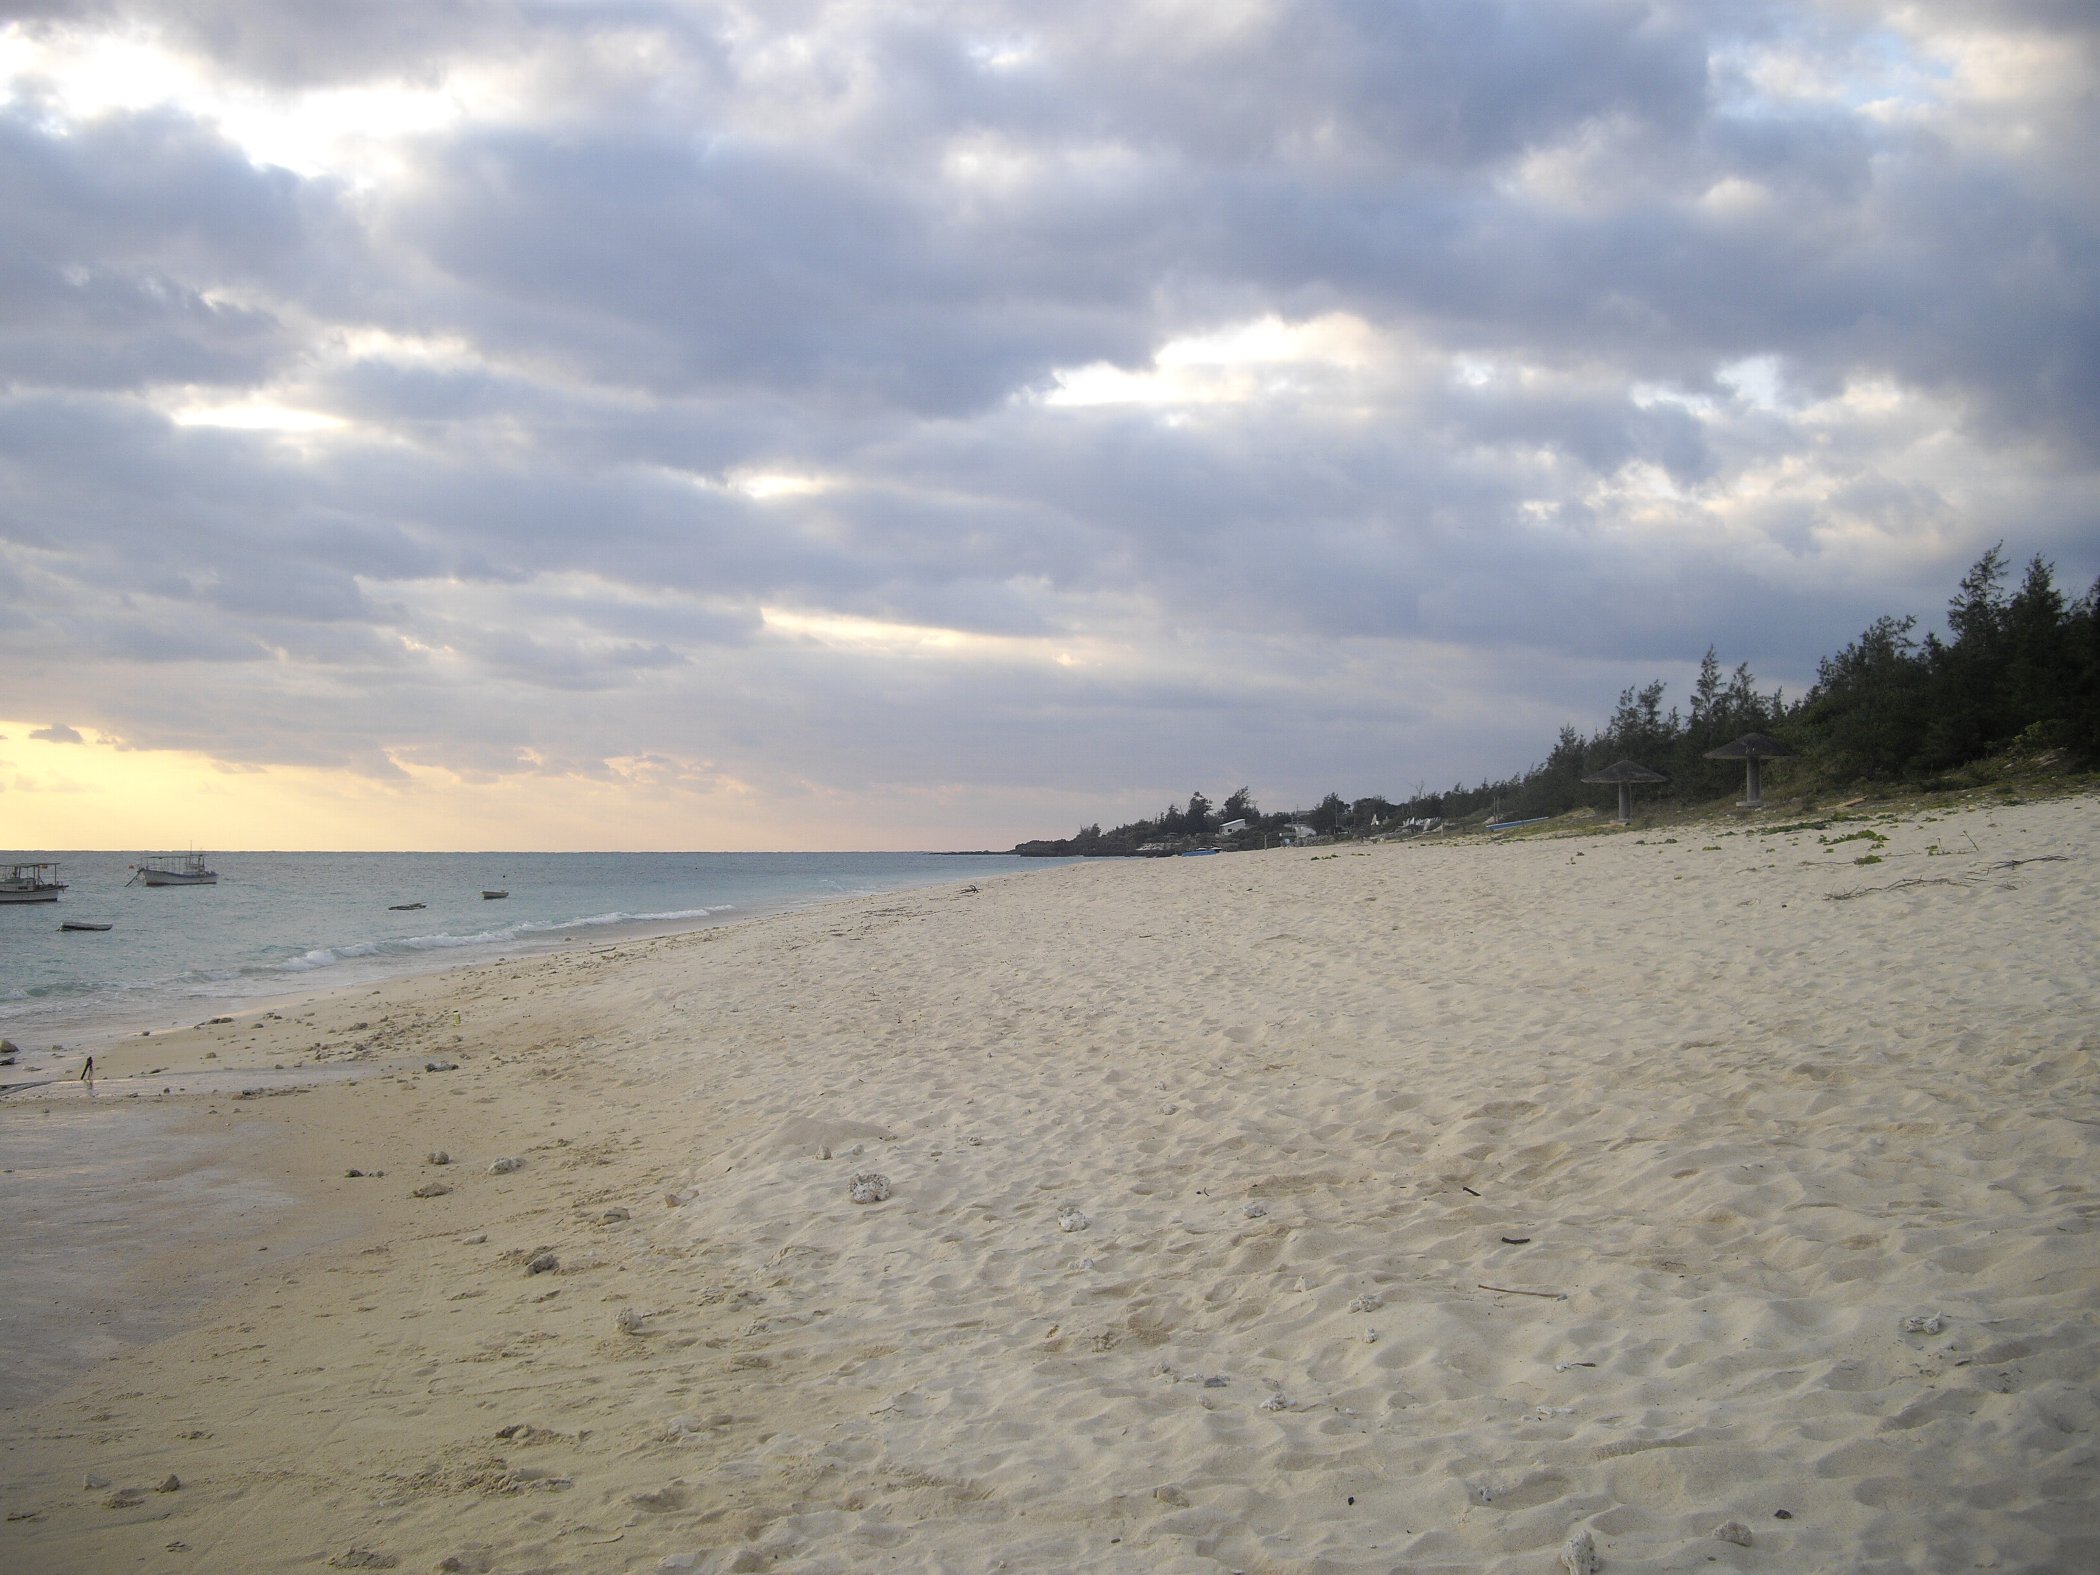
column 1231, row 826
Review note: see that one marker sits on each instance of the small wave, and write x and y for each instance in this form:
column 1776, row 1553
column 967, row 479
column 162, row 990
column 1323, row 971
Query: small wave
column 628, row 918
column 407, row 945
column 61, row 989
column 24, row 1003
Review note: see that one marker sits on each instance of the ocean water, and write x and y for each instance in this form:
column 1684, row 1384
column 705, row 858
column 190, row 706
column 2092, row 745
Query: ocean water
column 286, row 923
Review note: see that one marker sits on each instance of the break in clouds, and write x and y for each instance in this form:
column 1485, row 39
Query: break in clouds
column 1053, row 408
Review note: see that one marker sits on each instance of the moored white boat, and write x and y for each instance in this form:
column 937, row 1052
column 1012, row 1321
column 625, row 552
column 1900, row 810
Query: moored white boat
column 31, row 883
column 167, row 872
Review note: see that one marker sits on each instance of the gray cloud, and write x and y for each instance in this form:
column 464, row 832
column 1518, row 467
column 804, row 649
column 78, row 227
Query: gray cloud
column 296, row 42
column 650, row 350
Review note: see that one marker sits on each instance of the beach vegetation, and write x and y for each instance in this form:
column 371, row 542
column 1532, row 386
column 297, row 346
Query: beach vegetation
column 2015, row 679
column 1865, row 834
column 2010, row 688
column 1330, row 815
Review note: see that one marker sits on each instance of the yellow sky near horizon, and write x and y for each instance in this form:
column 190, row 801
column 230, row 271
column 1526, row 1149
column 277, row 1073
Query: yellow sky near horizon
column 97, row 794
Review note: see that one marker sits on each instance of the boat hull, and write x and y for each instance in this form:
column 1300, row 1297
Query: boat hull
column 175, row 878
column 37, row 894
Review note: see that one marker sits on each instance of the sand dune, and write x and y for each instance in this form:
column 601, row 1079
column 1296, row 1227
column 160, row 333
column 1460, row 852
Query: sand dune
column 1404, row 1207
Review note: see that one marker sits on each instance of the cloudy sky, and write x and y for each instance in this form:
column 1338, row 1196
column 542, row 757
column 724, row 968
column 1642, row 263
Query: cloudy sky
column 897, row 423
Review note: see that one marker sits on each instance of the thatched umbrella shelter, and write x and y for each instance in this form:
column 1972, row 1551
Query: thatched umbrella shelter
column 1625, row 773
column 1750, row 749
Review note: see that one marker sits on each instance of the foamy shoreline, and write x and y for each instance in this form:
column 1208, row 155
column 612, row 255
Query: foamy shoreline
column 1430, row 1205
column 83, row 1026
column 101, row 1028
column 283, row 926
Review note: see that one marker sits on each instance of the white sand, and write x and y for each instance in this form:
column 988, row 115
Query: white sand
column 1730, row 1130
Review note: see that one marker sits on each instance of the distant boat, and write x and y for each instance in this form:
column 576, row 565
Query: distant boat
column 491, row 896
column 403, row 907
column 167, row 872
column 31, row 883
column 75, row 924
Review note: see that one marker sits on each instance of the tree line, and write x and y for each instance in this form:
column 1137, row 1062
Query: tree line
column 2019, row 667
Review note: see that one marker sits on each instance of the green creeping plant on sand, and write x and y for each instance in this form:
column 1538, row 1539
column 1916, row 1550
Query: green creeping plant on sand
column 1853, row 836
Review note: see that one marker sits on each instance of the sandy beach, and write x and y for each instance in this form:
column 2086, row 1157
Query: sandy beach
column 1699, row 1196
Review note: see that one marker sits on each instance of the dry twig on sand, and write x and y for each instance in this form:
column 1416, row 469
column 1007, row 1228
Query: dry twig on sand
column 1947, row 880
column 1510, row 1290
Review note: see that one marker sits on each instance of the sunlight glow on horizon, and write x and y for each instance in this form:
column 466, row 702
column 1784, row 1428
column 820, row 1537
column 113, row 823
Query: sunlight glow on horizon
column 103, row 794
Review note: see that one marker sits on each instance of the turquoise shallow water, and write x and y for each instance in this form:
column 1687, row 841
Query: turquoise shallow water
column 279, row 923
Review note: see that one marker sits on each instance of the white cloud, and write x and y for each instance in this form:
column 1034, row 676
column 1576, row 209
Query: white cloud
column 1262, row 359
column 257, row 414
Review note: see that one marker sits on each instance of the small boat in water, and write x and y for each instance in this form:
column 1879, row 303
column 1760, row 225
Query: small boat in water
column 403, row 907
column 31, row 883
column 190, row 871
column 75, row 924
column 492, row 896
